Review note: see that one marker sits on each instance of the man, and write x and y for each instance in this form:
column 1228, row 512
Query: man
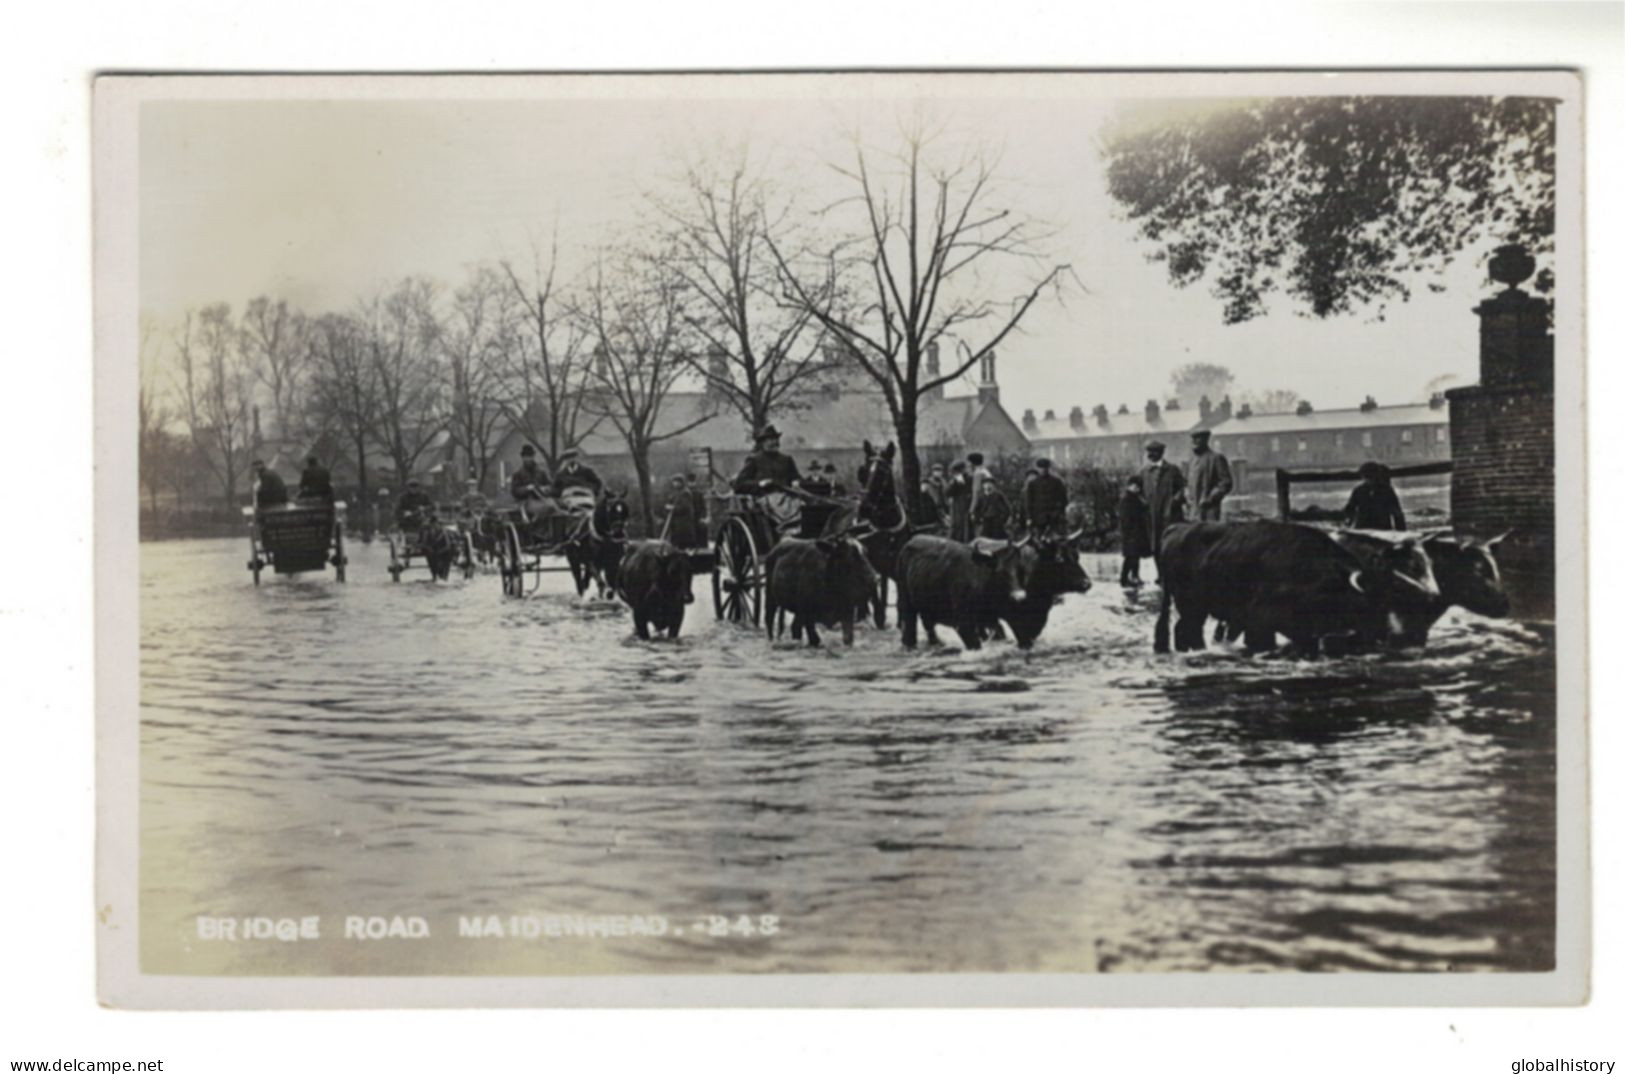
column 959, row 497
column 269, row 489
column 815, row 482
column 1164, row 485
column 979, row 475
column 1044, row 501
column 934, row 496
column 474, row 504
column 993, row 512
column 529, row 485
column 414, row 508
column 683, row 526
column 1208, row 475
column 315, row 483
column 832, row 477
column 767, row 468
column 1374, row 505
column 574, row 475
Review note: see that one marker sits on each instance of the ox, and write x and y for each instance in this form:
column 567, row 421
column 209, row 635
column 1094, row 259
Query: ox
column 1466, row 571
column 653, row 579
column 973, row 589
column 1268, row 578
column 825, row 582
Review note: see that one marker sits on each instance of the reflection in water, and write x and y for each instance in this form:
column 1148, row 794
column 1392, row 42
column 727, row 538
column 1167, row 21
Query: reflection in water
column 436, row 750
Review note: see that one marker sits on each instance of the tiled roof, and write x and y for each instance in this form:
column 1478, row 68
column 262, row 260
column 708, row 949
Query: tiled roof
column 1133, row 423
column 1349, row 418
column 1183, row 420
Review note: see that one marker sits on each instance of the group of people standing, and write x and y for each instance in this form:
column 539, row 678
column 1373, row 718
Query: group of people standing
column 967, row 499
column 1163, row 493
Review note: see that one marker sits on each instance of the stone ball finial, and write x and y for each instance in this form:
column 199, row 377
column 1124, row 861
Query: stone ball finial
column 1512, row 264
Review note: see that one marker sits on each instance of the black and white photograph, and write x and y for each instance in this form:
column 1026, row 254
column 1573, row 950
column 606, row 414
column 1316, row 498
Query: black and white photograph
column 922, row 538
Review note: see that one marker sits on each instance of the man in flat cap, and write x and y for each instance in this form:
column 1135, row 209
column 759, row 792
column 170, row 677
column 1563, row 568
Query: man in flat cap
column 529, row 486
column 1164, row 492
column 1044, row 501
column 1208, row 475
column 269, row 488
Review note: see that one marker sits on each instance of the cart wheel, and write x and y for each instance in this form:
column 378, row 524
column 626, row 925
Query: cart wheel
column 736, row 580
column 339, row 559
column 395, row 565
column 512, row 560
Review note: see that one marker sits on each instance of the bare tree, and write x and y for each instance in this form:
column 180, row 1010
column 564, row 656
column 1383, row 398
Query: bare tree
column 758, row 351
column 153, row 447
column 929, row 245
column 545, row 382
column 635, row 311
column 217, row 394
column 274, row 343
column 476, row 338
column 402, row 337
column 344, row 393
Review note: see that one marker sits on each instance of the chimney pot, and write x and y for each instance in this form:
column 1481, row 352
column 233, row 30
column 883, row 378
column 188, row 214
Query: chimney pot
column 1029, row 423
column 1122, row 408
column 1075, row 417
column 1304, row 409
column 1369, row 405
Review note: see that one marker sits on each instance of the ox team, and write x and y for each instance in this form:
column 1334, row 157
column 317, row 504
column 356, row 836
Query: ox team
column 1370, row 584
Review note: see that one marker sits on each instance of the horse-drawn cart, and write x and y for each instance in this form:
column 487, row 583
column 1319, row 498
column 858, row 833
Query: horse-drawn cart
column 435, row 545
column 296, row 538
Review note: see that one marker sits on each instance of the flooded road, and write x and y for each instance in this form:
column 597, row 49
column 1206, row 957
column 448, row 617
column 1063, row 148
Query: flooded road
column 442, row 753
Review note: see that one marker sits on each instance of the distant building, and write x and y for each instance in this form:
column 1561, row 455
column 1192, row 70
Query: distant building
column 1260, row 443
column 830, row 422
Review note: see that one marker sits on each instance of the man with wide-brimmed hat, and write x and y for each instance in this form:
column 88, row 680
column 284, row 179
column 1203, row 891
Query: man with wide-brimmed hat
column 1164, row 485
column 414, row 508
column 1374, row 505
column 767, row 469
column 1208, row 477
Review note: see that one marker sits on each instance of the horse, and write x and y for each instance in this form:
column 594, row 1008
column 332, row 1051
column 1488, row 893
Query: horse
column 594, row 550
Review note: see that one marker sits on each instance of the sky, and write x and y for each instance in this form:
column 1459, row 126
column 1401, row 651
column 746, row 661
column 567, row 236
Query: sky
column 322, row 202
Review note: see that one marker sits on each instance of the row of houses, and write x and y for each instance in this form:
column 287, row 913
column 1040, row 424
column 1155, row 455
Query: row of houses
column 832, row 421
column 1260, row 444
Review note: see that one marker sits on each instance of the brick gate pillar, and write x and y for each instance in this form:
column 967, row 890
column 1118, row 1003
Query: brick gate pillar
column 1501, row 437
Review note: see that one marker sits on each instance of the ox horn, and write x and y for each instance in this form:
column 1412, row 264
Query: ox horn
column 1354, row 580
column 1497, row 539
column 1075, row 536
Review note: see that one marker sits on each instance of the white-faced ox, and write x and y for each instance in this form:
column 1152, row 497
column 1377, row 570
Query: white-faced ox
column 827, row 582
column 973, row 589
column 1269, row 578
column 1465, row 569
column 654, row 578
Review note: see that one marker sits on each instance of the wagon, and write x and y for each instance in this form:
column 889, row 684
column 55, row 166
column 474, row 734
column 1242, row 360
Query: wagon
column 409, row 544
column 296, row 538
column 738, row 568
column 524, row 547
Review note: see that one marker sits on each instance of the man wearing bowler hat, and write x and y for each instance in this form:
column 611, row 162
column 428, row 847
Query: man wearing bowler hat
column 1164, row 492
column 1208, row 475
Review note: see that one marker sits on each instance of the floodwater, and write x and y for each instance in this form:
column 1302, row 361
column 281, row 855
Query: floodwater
column 437, row 752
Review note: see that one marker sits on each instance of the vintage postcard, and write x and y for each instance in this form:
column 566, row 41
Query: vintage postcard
column 1001, row 539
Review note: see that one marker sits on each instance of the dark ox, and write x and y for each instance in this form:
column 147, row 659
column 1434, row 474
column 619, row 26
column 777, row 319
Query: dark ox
column 439, row 548
column 653, row 580
column 1467, row 574
column 1267, row 578
column 826, row 582
column 594, row 552
column 973, row 589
